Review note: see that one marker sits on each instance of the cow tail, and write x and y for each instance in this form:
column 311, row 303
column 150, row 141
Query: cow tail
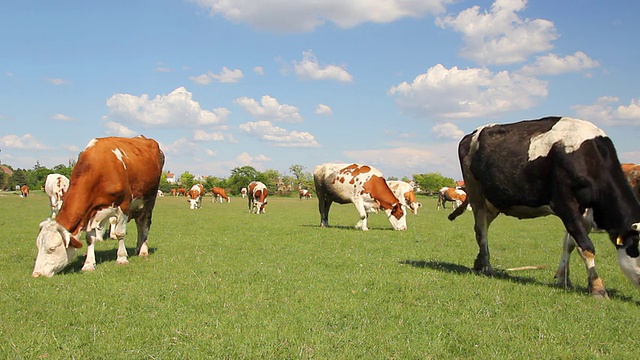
column 459, row 210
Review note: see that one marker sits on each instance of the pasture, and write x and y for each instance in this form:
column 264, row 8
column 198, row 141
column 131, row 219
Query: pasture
column 221, row 283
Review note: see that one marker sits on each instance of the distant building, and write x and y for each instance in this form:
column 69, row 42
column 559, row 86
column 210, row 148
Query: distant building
column 171, row 178
column 6, row 170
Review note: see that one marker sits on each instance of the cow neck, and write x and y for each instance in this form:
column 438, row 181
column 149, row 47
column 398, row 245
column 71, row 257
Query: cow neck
column 379, row 190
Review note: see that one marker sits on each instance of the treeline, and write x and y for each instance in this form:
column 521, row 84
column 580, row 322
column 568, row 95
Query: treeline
column 278, row 183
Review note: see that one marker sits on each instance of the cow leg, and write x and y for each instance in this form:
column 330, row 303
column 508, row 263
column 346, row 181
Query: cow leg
column 362, row 224
column 143, row 224
column 483, row 218
column 569, row 244
column 90, row 259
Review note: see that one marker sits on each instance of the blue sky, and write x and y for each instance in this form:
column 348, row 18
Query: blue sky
column 271, row 83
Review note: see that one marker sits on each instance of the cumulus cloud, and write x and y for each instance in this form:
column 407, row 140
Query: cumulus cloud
column 465, row 93
column 447, row 131
column 62, row 117
column 201, row 135
column 180, row 147
column 309, row 69
column 174, row 109
column 116, row 129
column 269, row 109
column 225, row 76
column 277, row 136
column 553, row 64
column 323, row 109
column 25, row 142
column 500, row 36
column 306, row 15
column 608, row 110
column 258, row 70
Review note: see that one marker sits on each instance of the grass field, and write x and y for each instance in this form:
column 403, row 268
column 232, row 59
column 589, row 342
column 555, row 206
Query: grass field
column 221, row 283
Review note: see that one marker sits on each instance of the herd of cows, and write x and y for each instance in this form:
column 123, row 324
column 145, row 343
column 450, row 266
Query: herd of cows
column 556, row 165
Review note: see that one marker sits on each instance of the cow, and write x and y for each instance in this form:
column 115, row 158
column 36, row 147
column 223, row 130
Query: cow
column 258, row 193
column 55, row 186
column 304, row 194
column 632, row 172
column 194, row 196
column 404, row 192
column 456, row 195
column 181, row 191
column 24, row 191
column 174, row 192
column 219, row 193
column 553, row 165
column 362, row 185
column 113, row 177
column 160, row 193
column 243, row 192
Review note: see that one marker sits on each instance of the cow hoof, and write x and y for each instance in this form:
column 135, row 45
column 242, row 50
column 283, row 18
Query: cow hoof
column 600, row 295
column 122, row 261
column 89, row 267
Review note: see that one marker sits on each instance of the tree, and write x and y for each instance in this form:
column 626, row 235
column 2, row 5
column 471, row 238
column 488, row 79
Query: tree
column 432, row 182
column 19, row 178
column 271, row 178
column 241, row 177
column 164, row 185
column 297, row 171
column 187, row 180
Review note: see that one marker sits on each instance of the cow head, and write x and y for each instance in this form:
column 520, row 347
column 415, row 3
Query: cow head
column 56, row 248
column 629, row 254
column 397, row 217
column 193, row 203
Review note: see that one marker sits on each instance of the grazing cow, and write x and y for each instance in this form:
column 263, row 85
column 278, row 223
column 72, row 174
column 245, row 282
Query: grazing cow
column 55, row 186
column 243, row 192
column 554, row 165
column 174, row 192
column 181, row 191
column 404, row 192
column 456, row 195
column 113, row 177
column 219, row 193
column 258, row 193
column 362, row 185
column 195, row 195
column 24, row 191
column 304, row 194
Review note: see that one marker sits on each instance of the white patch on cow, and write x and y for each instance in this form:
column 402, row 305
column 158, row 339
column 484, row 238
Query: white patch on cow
column 91, row 143
column 119, row 155
column 629, row 266
column 474, row 138
column 569, row 131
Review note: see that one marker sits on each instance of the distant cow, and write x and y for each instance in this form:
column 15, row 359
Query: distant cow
column 304, row 194
column 404, row 192
column 361, row 185
column 174, row 192
column 258, row 193
column 456, row 195
column 632, row 172
column 24, row 191
column 243, row 192
column 113, row 177
column 181, row 191
column 194, row 196
column 219, row 194
column 55, row 187
column 553, row 165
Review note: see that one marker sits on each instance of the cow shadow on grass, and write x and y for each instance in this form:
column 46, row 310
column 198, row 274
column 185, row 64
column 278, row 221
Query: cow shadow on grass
column 452, row 268
column 349, row 227
column 102, row 256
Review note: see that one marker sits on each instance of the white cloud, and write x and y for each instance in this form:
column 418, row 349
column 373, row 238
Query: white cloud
column 308, row 68
column 270, row 109
column 323, row 109
column 176, row 109
column 201, row 135
column 116, row 129
column 180, row 147
column 553, row 64
column 306, row 15
column 458, row 93
column 258, row 70
column 500, row 36
column 57, row 81
column 448, row 131
column 278, row 136
column 225, row 76
column 62, row 117
column 607, row 110
column 162, row 69
column 25, row 142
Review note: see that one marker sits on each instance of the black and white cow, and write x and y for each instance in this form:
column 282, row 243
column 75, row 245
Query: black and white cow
column 554, row 165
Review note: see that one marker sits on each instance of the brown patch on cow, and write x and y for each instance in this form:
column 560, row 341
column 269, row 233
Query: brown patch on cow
column 355, row 170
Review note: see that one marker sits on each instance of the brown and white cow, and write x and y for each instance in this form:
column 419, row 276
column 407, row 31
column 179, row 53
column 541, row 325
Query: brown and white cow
column 55, row 186
column 304, row 194
column 632, row 172
column 554, row 165
column 361, row 185
column 404, row 192
column 219, row 194
column 181, row 191
column 24, row 191
column 194, row 196
column 455, row 195
column 113, row 177
column 243, row 192
column 258, row 193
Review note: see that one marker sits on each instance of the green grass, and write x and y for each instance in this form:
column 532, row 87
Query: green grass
column 221, row 283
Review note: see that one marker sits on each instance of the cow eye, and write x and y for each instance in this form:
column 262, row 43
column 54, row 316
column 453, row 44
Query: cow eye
column 52, row 249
